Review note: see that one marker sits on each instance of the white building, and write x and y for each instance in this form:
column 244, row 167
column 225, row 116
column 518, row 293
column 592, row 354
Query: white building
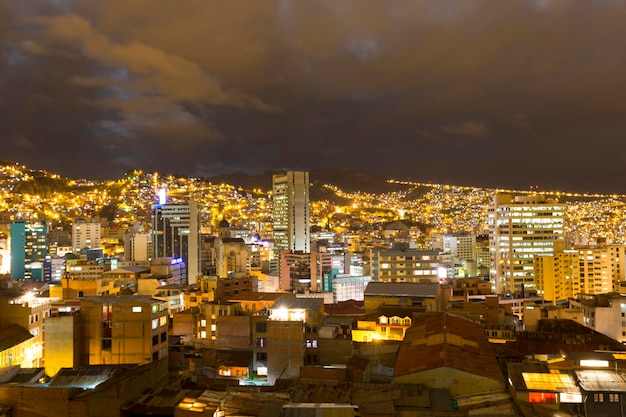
column 85, row 234
column 137, row 246
column 521, row 227
column 604, row 313
column 349, row 287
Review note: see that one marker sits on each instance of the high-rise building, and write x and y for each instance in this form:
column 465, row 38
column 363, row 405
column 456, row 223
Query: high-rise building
column 601, row 268
column 557, row 276
column 29, row 247
column 520, row 227
column 85, row 234
column 291, row 211
column 176, row 234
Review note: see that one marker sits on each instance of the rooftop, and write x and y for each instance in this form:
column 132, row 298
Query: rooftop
column 400, row 289
column 443, row 340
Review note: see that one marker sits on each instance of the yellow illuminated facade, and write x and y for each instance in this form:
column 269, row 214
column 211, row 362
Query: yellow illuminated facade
column 386, row 328
column 558, row 276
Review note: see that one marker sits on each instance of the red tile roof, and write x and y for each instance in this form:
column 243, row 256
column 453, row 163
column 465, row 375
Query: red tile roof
column 443, row 340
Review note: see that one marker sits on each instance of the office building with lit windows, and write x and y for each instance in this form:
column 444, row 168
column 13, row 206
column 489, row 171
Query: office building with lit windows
column 404, row 265
column 176, row 234
column 29, row 247
column 290, row 199
column 584, row 270
column 520, row 227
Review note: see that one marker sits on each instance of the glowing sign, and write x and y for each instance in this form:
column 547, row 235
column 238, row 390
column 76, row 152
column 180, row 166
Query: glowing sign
column 176, row 261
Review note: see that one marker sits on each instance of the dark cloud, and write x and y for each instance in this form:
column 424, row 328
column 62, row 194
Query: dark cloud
column 478, row 92
column 469, row 128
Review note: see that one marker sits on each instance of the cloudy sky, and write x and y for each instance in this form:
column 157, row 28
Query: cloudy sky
column 467, row 92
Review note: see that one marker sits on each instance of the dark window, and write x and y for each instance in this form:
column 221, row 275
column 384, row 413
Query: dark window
column 261, row 327
column 155, row 340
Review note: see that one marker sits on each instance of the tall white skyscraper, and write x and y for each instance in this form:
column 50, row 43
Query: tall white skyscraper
column 176, row 234
column 291, row 211
column 521, row 227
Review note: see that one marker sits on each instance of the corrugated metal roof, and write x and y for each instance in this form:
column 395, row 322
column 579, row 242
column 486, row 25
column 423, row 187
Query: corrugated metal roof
column 541, row 381
column 442, row 340
column 600, row 380
column 86, row 377
column 399, row 289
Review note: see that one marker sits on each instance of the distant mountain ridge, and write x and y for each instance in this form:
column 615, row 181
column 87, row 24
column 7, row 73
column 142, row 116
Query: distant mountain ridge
column 344, row 178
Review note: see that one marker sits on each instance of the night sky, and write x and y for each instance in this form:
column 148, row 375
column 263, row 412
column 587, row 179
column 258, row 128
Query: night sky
column 486, row 93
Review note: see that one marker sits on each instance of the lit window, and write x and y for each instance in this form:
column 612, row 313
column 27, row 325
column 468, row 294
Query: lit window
column 155, row 323
column 136, row 309
column 542, row 397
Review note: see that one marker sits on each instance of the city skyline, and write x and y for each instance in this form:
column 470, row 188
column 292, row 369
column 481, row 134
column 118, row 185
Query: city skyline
column 480, row 93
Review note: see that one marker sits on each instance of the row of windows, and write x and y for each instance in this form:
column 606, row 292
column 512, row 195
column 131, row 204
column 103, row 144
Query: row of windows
column 599, row 397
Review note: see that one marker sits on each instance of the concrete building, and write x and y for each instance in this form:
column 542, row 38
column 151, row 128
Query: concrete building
column 558, row 276
column 83, row 391
column 85, row 234
column 18, row 347
column 291, row 211
column 122, row 330
column 458, row 255
column 427, row 295
column 404, row 265
column 605, row 313
column 53, row 268
column 349, row 287
column 292, row 336
column 295, row 271
column 520, row 227
column 225, row 256
column 533, row 314
column 84, row 279
column 137, row 246
column 601, row 268
column 29, row 312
